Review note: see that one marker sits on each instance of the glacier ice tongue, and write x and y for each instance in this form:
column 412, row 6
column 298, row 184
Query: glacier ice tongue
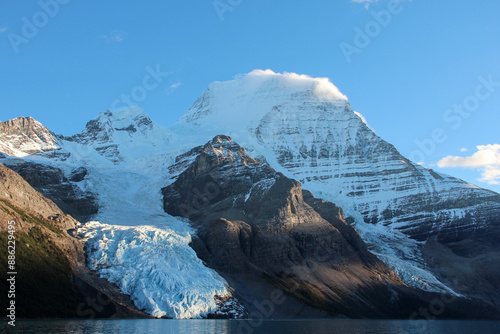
column 136, row 245
column 156, row 267
column 152, row 263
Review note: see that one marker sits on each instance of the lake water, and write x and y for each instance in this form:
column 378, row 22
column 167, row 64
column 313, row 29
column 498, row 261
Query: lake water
column 249, row 326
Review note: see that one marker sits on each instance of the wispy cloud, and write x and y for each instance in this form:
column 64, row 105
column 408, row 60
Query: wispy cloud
column 3, row 29
column 175, row 85
column 115, row 36
column 486, row 158
column 172, row 87
column 463, row 149
column 366, row 2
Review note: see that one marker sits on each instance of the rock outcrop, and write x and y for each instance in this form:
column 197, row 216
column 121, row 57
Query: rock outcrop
column 52, row 183
column 256, row 226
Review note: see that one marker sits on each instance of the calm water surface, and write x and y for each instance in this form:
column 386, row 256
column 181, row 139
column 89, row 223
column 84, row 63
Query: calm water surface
column 247, row 327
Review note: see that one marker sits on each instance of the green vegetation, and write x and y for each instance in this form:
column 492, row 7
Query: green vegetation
column 43, row 282
column 44, row 286
column 30, row 218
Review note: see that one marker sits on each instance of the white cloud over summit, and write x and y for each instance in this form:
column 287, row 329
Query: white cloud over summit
column 486, row 158
column 322, row 87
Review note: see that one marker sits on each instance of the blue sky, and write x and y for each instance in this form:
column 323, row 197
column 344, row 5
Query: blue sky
column 426, row 78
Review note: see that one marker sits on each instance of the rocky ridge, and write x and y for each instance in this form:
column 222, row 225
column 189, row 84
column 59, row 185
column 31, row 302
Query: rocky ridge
column 121, row 136
column 24, row 135
column 256, row 226
column 65, row 191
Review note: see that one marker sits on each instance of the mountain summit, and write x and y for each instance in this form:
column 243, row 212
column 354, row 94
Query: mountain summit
column 123, row 135
column 250, row 97
column 108, row 125
column 24, row 136
column 307, row 129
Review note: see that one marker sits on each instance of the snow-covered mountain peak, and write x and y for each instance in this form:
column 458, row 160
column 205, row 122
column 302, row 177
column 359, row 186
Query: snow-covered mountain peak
column 308, row 131
column 23, row 136
column 245, row 100
column 124, row 135
column 106, row 124
column 124, row 118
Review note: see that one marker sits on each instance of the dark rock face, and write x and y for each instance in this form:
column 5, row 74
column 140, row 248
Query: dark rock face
column 256, row 225
column 52, row 183
column 330, row 150
column 78, row 174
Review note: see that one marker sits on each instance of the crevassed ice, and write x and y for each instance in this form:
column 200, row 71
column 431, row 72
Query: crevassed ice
column 156, row 267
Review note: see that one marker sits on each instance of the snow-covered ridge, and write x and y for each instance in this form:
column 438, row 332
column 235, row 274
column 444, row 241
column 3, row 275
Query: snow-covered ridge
column 23, row 136
column 123, row 136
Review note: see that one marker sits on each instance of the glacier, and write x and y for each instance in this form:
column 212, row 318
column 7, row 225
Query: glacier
column 132, row 242
column 156, row 267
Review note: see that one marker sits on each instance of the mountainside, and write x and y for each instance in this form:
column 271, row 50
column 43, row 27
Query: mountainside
column 24, row 135
column 260, row 207
column 306, row 129
column 256, row 227
column 122, row 136
column 52, row 280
